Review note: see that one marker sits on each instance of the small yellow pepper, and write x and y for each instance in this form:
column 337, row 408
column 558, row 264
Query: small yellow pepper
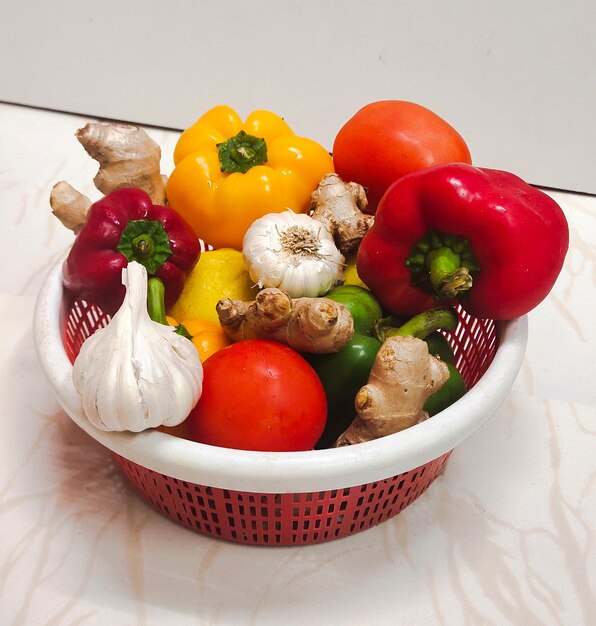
column 229, row 173
column 208, row 337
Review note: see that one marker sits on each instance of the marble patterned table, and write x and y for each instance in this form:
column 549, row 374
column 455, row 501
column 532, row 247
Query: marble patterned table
column 506, row 536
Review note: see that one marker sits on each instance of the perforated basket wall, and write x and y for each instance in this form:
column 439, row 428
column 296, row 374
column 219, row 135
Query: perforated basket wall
column 289, row 518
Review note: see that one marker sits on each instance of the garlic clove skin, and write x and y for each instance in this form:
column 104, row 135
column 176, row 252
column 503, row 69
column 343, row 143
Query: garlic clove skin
column 135, row 373
column 293, row 252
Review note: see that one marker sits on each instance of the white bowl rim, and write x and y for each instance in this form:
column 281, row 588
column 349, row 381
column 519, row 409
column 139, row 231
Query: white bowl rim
column 281, row 472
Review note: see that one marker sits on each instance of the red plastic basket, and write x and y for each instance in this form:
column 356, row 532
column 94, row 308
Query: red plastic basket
column 289, row 518
column 281, row 518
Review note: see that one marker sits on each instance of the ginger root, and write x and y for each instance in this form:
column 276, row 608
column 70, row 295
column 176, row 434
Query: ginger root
column 127, row 157
column 316, row 325
column 69, row 206
column 402, row 378
column 339, row 207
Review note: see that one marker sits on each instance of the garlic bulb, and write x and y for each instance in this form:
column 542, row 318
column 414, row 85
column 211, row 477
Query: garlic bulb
column 135, row 373
column 293, row 252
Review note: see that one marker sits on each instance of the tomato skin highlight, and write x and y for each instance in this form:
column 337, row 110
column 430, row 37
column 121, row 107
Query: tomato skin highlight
column 388, row 139
column 259, row 395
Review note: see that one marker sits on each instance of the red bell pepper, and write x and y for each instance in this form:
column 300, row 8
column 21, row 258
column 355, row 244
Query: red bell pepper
column 455, row 232
column 124, row 226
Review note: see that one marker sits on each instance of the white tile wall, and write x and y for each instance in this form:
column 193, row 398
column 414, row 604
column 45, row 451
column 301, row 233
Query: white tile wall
column 516, row 78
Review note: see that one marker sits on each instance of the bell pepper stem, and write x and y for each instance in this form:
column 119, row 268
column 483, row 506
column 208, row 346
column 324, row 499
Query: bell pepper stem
column 241, row 152
column 155, row 301
column 421, row 325
column 447, row 276
column 443, row 264
column 156, row 305
column 147, row 242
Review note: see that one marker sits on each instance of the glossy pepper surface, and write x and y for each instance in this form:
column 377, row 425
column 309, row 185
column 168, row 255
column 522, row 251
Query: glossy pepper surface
column 450, row 392
column 207, row 337
column 344, row 372
column 425, row 326
column 439, row 346
column 229, row 173
column 457, row 232
column 126, row 226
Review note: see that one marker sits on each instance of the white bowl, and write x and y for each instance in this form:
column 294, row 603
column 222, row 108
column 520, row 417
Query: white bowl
column 276, row 472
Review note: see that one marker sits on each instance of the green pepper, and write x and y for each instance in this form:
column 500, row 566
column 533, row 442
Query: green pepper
column 342, row 375
column 455, row 387
column 440, row 347
column 344, row 372
column 451, row 391
column 424, row 326
column 364, row 307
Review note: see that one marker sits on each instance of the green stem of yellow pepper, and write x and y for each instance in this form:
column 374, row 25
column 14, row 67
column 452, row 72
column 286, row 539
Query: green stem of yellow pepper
column 241, row 152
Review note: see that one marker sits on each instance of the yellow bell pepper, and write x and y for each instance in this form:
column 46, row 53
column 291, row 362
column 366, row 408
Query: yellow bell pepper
column 208, row 337
column 229, row 173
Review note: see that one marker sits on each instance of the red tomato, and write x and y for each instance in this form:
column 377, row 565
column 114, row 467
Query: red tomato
column 388, row 139
column 259, row 395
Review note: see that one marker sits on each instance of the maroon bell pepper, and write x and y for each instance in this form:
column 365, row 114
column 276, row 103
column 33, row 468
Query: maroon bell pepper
column 126, row 226
column 454, row 233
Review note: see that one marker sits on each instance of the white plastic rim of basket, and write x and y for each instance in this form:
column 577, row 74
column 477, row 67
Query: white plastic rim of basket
column 282, row 472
